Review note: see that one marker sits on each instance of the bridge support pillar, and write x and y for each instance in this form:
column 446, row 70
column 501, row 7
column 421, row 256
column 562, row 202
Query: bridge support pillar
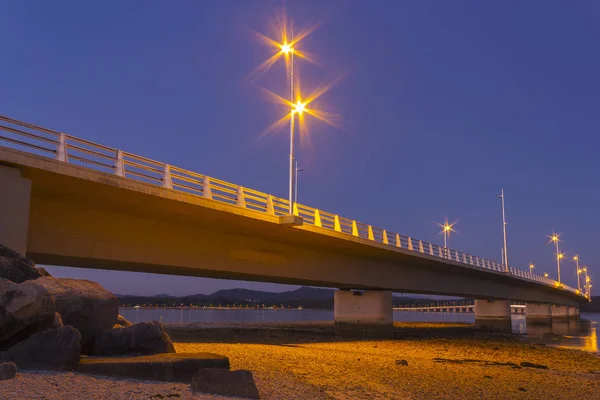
column 538, row 314
column 14, row 209
column 573, row 312
column 560, row 313
column 493, row 314
column 364, row 313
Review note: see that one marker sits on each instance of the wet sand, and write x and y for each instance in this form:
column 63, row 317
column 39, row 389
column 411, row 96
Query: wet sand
column 307, row 361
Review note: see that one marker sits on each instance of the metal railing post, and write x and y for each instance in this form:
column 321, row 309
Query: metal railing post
column 336, row 224
column 206, row 190
column 61, row 151
column 354, row 229
column 318, row 219
column 167, row 181
column 270, row 208
column 241, row 200
column 119, row 164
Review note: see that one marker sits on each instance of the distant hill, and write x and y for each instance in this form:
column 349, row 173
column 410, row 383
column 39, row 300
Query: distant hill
column 305, row 296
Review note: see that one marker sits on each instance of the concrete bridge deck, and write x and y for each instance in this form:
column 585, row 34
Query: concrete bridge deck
column 67, row 205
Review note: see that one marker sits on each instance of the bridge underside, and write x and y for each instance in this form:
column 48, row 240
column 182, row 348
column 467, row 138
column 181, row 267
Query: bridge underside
column 82, row 218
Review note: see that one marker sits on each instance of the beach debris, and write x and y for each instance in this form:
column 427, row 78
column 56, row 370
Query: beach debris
column 8, row 370
column 143, row 338
column 53, row 349
column 482, row 362
column 522, row 389
column 239, row 383
column 532, row 365
column 402, row 362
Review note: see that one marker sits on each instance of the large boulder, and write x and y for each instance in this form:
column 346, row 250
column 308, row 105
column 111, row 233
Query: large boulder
column 222, row 382
column 142, row 338
column 15, row 267
column 83, row 304
column 10, row 253
column 25, row 309
column 16, row 270
column 54, row 349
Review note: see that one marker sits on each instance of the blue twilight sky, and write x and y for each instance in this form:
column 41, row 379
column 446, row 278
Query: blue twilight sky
column 443, row 104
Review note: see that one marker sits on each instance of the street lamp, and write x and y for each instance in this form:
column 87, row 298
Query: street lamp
column 287, row 47
column 555, row 238
column 531, row 266
column 446, row 230
column 576, row 259
column 297, row 170
column 505, row 255
column 546, row 274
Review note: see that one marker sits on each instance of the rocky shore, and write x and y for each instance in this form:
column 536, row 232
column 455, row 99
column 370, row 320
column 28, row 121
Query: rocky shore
column 63, row 338
column 307, row 361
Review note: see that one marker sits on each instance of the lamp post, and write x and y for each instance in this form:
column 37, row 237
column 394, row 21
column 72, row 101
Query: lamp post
column 546, row 274
column 446, row 230
column 576, row 259
column 505, row 255
column 297, row 170
column 531, row 266
column 288, row 49
column 555, row 238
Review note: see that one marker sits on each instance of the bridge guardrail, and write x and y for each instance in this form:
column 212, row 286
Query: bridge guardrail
column 66, row 148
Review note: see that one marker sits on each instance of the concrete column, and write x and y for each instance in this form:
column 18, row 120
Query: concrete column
column 560, row 312
column 368, row 313
column 493, row 314
column 573, row 312
column 15, row 194
column 538, row 314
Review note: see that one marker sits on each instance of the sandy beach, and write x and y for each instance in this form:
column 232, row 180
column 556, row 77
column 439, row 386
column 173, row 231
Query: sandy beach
column 307, row 361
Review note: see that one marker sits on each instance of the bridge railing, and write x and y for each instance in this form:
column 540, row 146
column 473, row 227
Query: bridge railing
column 66, row 148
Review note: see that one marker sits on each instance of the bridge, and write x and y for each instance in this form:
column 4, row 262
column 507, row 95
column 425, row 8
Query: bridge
column 67, row 201
column 468, row 308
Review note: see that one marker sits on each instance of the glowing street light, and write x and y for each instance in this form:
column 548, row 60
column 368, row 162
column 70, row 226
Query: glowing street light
column 287, row 47
column 546, row 274
column 576, row 259
column 556, row 238
column 531, row 267
column 447, row 229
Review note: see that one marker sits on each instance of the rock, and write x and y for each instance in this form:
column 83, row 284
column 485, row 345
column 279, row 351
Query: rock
column 8, row 370
column 57, row 321
column 121, row 322
column 16, row 270
column 532, row 365
column 25, row 309
column 238, row 383
column 169, row 367
column 522, row 389
column 487, row 377
column 43, row 271
column 402, row 362
column 10, row 253
column 83, row 304
column 142, row 338
column 54, row 349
